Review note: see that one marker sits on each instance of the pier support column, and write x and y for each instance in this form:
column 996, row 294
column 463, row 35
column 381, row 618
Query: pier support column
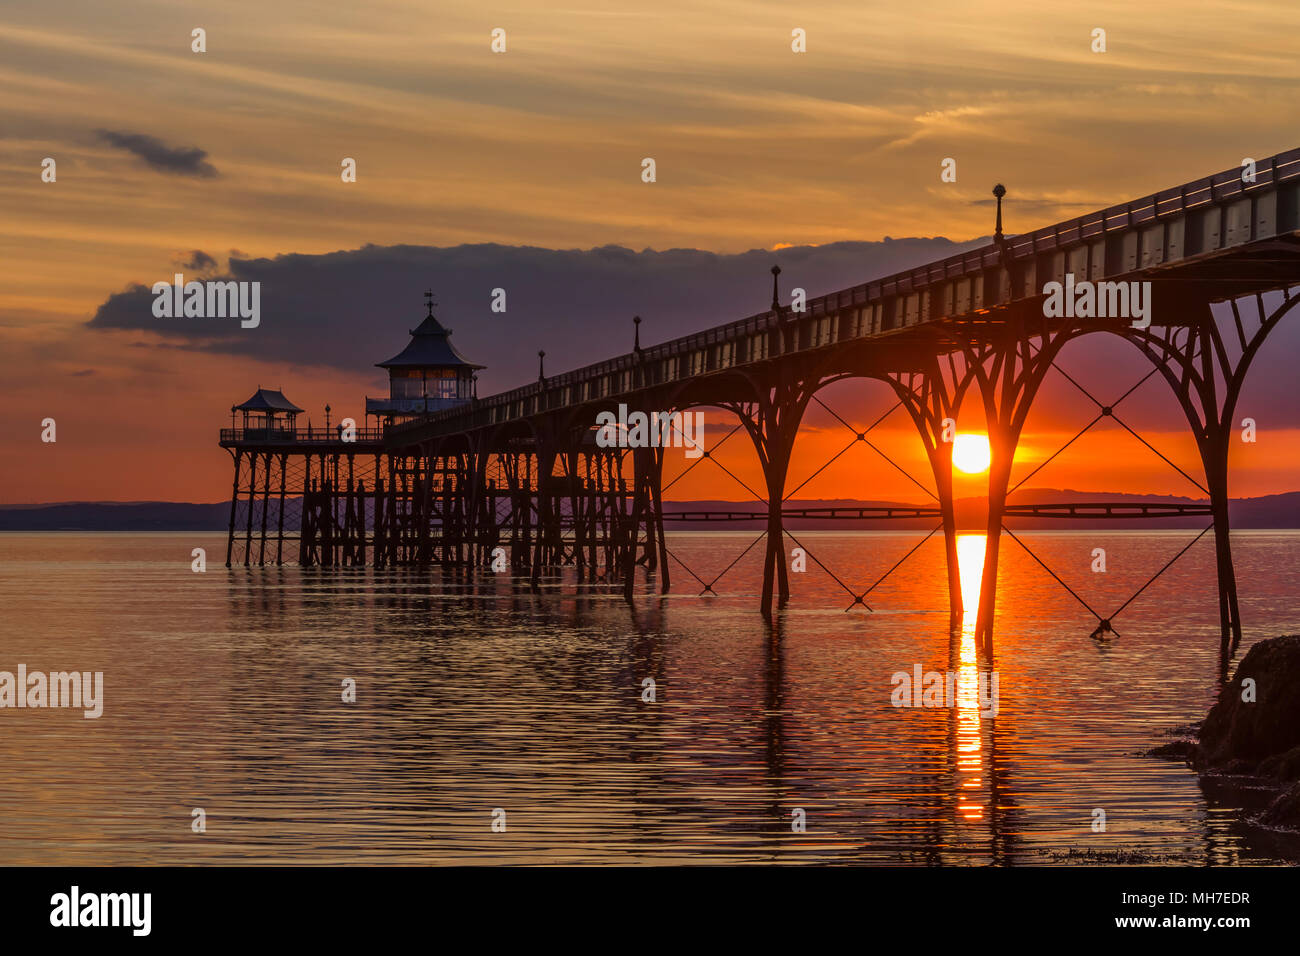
column 932, row 396
column 234, row 502
column 1214, row 455
column 279, row 523
column 266, row 507
column 548, row 531
column 252, row 499
column 424, row 503
column 773, row 425
column 1009, row 369
column 1206, row 379
column 476, row 530
column 658, row 558
column 642, row 464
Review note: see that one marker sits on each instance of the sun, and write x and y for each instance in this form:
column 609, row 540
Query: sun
column 970, row 453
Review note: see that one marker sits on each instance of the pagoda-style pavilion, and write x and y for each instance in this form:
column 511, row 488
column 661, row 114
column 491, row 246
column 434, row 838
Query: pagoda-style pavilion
column 429, row 375
column 268, row 416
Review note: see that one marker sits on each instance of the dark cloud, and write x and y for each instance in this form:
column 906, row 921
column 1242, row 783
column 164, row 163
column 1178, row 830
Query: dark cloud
column 183, row 160
column 347, row 310
column 196, row 261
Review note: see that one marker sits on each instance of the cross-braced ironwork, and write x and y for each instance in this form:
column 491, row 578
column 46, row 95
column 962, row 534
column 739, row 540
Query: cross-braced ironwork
column 1105, row 626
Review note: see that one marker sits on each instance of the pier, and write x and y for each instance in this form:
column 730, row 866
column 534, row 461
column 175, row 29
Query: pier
column 444, row 477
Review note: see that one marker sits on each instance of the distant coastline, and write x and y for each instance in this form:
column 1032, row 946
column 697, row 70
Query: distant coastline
column 1275, row 512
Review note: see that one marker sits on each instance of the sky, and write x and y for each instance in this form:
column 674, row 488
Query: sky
column 522, row 170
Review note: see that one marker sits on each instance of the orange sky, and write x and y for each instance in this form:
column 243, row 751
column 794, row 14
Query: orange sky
column 756, row 147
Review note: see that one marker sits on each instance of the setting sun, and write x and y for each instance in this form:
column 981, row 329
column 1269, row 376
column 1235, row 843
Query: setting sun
column 970, row 453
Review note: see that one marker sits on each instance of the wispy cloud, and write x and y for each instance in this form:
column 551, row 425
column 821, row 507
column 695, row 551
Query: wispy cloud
column 183, row 160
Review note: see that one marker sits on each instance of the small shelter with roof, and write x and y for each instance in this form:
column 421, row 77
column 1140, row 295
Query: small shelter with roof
column 268, row 415
column 429, row 375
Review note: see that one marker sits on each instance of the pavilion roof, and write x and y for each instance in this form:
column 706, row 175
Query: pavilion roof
column 430, row 347
column 268, row 400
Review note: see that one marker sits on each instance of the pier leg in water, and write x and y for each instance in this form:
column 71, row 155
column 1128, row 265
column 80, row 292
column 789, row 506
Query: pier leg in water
column 1009, row 370
column 1198, row 365
column 932, row 396
column 773, row 425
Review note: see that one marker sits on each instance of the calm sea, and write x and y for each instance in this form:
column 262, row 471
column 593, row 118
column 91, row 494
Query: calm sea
column 476, row 695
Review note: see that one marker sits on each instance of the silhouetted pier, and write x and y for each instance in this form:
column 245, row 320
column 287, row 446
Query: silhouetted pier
column 444, row 477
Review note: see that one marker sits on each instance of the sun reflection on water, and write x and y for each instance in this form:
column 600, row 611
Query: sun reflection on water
column 970, row 560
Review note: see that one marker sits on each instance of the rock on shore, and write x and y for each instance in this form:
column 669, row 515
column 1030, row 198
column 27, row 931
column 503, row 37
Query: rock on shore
column 1259, row 736
column 1249, row 733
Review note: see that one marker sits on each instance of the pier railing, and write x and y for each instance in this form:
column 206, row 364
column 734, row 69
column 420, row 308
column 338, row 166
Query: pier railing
column 296, row 436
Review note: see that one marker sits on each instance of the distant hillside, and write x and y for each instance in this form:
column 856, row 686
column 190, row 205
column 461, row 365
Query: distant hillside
column 1271, row 511
column 114, row 516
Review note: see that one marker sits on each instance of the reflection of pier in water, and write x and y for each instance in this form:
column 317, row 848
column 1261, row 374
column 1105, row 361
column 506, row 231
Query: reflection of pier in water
column 970, row 776
column 979, row 798
column 776, row 720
